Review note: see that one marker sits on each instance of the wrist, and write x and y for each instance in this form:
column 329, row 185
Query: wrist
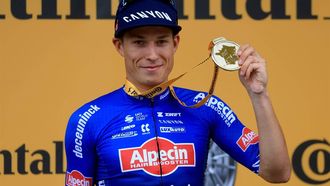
column 259, row 96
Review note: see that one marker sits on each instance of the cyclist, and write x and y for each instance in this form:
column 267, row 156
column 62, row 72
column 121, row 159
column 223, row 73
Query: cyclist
column 141, row 135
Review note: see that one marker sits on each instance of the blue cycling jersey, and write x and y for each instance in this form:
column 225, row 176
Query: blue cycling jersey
column 122, row 140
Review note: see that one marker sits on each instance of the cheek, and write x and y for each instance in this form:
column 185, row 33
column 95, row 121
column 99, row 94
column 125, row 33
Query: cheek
column 129, row 61
column 129, row 57
column 169, row 58
column 133, row 55
column 169, row 66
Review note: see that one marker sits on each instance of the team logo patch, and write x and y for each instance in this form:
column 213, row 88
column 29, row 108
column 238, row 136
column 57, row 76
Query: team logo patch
column 76, row 178
column 129, row 119
column 148, row 158
column 247, row 138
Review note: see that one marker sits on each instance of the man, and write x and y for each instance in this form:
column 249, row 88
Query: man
column 141, row 135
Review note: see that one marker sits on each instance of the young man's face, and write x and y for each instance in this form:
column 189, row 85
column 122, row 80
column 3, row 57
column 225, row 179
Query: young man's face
column 149, row 55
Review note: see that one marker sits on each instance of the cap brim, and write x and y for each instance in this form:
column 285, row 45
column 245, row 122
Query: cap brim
column 175, row 29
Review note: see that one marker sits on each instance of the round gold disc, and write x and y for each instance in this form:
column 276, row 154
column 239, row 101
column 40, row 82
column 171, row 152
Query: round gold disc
column 224, row 54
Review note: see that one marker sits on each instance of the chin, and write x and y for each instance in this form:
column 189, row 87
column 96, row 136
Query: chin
column 153, row 83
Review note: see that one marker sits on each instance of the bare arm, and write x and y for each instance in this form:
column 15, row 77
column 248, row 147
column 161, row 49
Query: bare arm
column 274, row 158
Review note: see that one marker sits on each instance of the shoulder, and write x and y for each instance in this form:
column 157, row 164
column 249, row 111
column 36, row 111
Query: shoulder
column 102, row 103
column 194, row 96
column 214, row 104
column 96, row 113
column 188, row 94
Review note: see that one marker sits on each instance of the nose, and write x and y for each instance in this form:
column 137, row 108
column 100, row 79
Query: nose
column 152, row 52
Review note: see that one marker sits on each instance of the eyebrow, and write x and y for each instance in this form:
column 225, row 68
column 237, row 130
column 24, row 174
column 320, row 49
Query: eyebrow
column 136, row 36
column 164, row 36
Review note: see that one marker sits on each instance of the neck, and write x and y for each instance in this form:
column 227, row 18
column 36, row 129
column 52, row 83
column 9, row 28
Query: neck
column 147, row 91
column 143, row 87
column 140, row 87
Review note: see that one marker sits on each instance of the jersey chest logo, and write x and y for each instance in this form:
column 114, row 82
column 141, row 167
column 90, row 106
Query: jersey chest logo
column 156, row 162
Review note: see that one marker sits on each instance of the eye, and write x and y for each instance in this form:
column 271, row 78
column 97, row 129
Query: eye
column 139, row 42
column 162, row 42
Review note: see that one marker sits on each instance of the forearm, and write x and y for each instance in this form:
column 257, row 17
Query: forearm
column 274, row 159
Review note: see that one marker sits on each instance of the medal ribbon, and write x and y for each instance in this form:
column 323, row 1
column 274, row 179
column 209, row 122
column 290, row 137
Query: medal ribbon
column 131, row 89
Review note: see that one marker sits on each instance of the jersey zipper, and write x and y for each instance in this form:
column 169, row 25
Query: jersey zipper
column 157, row 142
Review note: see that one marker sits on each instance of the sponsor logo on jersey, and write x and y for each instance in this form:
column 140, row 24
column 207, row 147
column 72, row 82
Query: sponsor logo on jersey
column 160, row 114
column 168, row 114
column 140, row 116
column 149, row 158
column 145, row 128
column 257, row 164
column 137, row 116
column 128, row 134
column 172, row 129
column 101, row 183
column 127, row 127
column 176, row 114
column 129, row 119
column 76, row 178
column 247, row 138
column 82, row 122
column 167, row 121
column 166, row 93
column 218, row 106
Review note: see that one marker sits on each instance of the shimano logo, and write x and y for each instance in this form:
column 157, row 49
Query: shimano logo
column 83, row 119
column 156, row 90
column 221, row 108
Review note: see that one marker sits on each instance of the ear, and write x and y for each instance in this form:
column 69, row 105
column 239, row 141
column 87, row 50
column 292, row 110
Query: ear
column 176, row 41
column 118, row 43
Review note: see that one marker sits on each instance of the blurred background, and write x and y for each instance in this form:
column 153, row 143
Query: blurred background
column 56, row 55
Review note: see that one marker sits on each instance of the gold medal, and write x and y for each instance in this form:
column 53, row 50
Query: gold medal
column 224, row 54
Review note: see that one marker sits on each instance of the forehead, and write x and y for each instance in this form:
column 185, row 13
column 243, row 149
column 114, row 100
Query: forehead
column 149, row 32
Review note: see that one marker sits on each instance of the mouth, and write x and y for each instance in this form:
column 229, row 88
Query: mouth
column 151, row 67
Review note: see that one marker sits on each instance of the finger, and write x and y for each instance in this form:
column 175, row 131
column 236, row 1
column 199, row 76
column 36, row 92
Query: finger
column 247, row 63
column 249, row 51
column 242, row 48
column 250, row 69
